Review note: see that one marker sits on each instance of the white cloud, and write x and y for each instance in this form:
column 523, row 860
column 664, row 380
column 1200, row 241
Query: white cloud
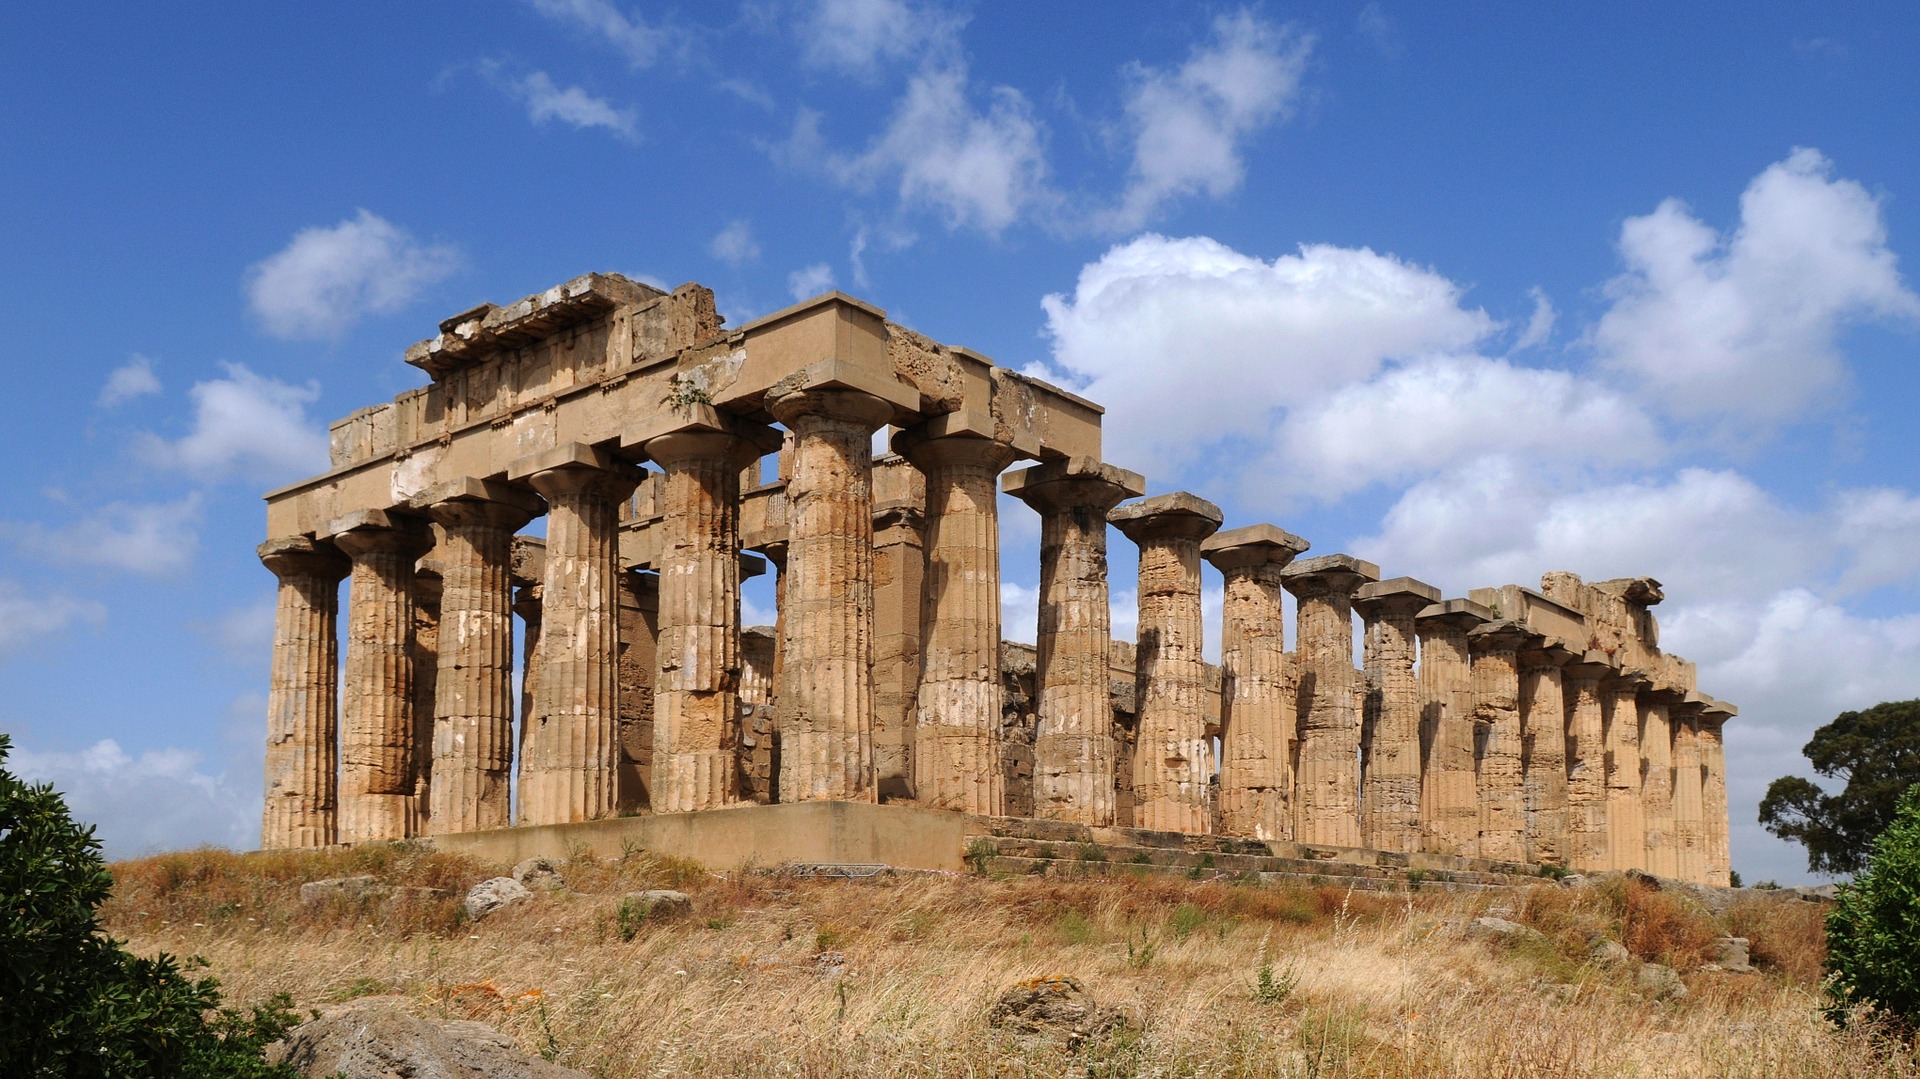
column 810, row 281
column 246, row 425
column 572, row 105
column 1019, row 612
column 135, row 378
column 855, row 36
column 1746, row 324
column 734, row 244
column 245, row 634
column 327, row 278
column 1539, row 324
column 158, row 801
column 155, row 539
column 1188, row 124
column 641, row 44
column 27, row 619
column 1188, row 342
column 1877, row 526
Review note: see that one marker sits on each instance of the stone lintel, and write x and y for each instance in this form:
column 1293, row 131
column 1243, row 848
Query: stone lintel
column 1643, row 591
column 1463, row 613
column 569, row 455
column 1395, row 590
column 1717, row 710
column 1031, row 482
column 1335, row 563
column 697, row 417
column 1179, row 513
column 751, row 565
column 832, row 298
column 838, row 374
column 468, row 489
column 969, row 423
column 1502, row 635
column 478, row 332
column 1252, row 545
column 1695, row 699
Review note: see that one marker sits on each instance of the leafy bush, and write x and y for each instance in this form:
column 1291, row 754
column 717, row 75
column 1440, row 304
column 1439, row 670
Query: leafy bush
column 73, row 1001
column 1873, row 931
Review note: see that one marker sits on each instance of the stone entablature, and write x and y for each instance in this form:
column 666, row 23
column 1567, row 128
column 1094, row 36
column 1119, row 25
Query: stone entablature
column 673, row 458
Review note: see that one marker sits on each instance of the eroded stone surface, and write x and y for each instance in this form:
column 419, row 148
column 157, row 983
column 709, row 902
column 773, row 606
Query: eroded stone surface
column 1390, row 720
column 1327, row 777
column 1257, row 693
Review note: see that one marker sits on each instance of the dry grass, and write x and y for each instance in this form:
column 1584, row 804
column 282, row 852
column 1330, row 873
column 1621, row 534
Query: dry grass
column 894, row 976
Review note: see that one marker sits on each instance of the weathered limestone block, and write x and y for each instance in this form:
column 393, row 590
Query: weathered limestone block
column 1074, row 751
column 303, row 751
column 1495, row 650
column 825, row 693
column 1713, row 797
column 1327, row 774
column 1257, row 702
column 472, row 736
column 378, row 797
column 1626, row 820
column 960, row 700
column 1390, row 719
column 1656, row 783
column 1449, row 799
column 1543, row 749
column 1173, row 760
column 1689, row 822
column 1586, row 762
column 570, row 750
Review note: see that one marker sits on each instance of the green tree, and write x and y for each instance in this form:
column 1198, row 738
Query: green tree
column 1877, row 753
column 73, row 1001
column 1873, row 930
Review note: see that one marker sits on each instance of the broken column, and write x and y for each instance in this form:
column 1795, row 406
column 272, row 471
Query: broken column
column 1172, row 760
column 1390, row 720
column 1495, row 648
column 696, row 694
column 378, row 799
column 1587, row 850
column 1713, row 792
column 1327, row 774
column 1073, row 751
column 472, row 739
column 1626, row 822
column 1449, row 799
column 1256, row 702
column 957, row 713
column 303, row 750
column 570, row 752
column 824, row 699
column 1543, row 749
column 1656, row 782
column 1689, row 823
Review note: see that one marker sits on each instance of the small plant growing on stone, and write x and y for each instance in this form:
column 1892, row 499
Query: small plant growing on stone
column 1553, row 871
column 1091, row 852
column 1142, row 858
column 978, row 851
column 1415, row 878
column 683, row 392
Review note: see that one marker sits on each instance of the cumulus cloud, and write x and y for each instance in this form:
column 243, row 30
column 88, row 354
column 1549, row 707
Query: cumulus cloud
column 245, row 425
column 1877, row 527
column 856, row 36
column 573, row 106
column 26, row 618
column 323, row 281
column 641, row 44
column 1188, row 124
column 734, row 244
column 135, row 378
column 155, row 539
column 160, row 800
column 809, row 281
column 1746, row 324
column 1540, row 324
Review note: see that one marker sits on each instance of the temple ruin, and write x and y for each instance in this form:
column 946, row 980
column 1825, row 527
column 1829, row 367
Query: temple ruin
column 672, row 458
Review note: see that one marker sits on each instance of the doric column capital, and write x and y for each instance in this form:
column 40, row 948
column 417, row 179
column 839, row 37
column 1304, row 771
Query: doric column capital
column 1328, row 575
column 929, row 453
column 1548, row 652
column 839, row 403
column 1402, row 597
column 1503, row 637
column 576, row 469
column 300, row 556
column 1073, row 483
column 380, row 532
column 1589, row 666
column 1626, row 680
column 695, row 431
column 1253, row 547
column 469, row 502
column 1452, row 615
column 1175, row 516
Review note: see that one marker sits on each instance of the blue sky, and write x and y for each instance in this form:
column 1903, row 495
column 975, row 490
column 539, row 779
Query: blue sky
column 1472, row 293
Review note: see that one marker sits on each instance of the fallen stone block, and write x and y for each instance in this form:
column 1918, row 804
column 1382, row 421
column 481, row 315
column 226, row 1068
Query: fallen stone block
column 662, row 903
column 1610, row 953
column 352, row 889
column 540, row 874
column 1502, row 930
column 379, row 1040
column 491, row 895
column 1660, row 982
column 1053, row 1006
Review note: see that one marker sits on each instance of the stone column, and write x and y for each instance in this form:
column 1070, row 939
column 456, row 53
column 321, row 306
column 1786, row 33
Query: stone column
column 1390, row 719
column 472, row 733
column 1073, row 750
column 1256, row 691
column 1449, row 800
column 1689, row 822
column 1326, row 781
column 825, row 694
column 303, row 749
column 1496, row 715
column 1656, row 783
column 1543, row 750
column 696, row 692
column 1172, row 760
column 1713, row 794
column 956, row 763
column 1587, row 762
column 378, row 799
column 1626, row 823
column 571, row 751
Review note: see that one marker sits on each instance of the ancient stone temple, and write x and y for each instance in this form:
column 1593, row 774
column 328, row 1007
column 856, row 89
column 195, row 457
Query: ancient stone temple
column 668, row 458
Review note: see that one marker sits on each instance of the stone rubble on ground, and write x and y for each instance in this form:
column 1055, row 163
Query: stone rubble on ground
column 378, row 1040
column 491, row 895
column 1054, row 1006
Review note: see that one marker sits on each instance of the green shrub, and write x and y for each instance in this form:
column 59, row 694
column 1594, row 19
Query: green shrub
column 73, row 1001
column 1873, row 931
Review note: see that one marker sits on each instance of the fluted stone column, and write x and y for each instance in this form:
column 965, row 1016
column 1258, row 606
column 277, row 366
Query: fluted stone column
column 825, row 693
column 1713, row 794
column 378, row 799
column 1326, row 782
column 1495, row 649
column 956, row 736
column 303, row 749
column 1172, row 760
column 571, row 751
column 1689, row 822
column 1587, row 762
column 1073, row 749
column 1257, row 703
column 1656, row 783
column 1543, row 750
column 472, row 739
column 1449, row 798
column 1626, row 822
column 1390, row 719
column 696, row 692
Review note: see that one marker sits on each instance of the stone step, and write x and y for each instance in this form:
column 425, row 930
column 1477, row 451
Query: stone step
column 1207, row 862
column 1013, row 866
